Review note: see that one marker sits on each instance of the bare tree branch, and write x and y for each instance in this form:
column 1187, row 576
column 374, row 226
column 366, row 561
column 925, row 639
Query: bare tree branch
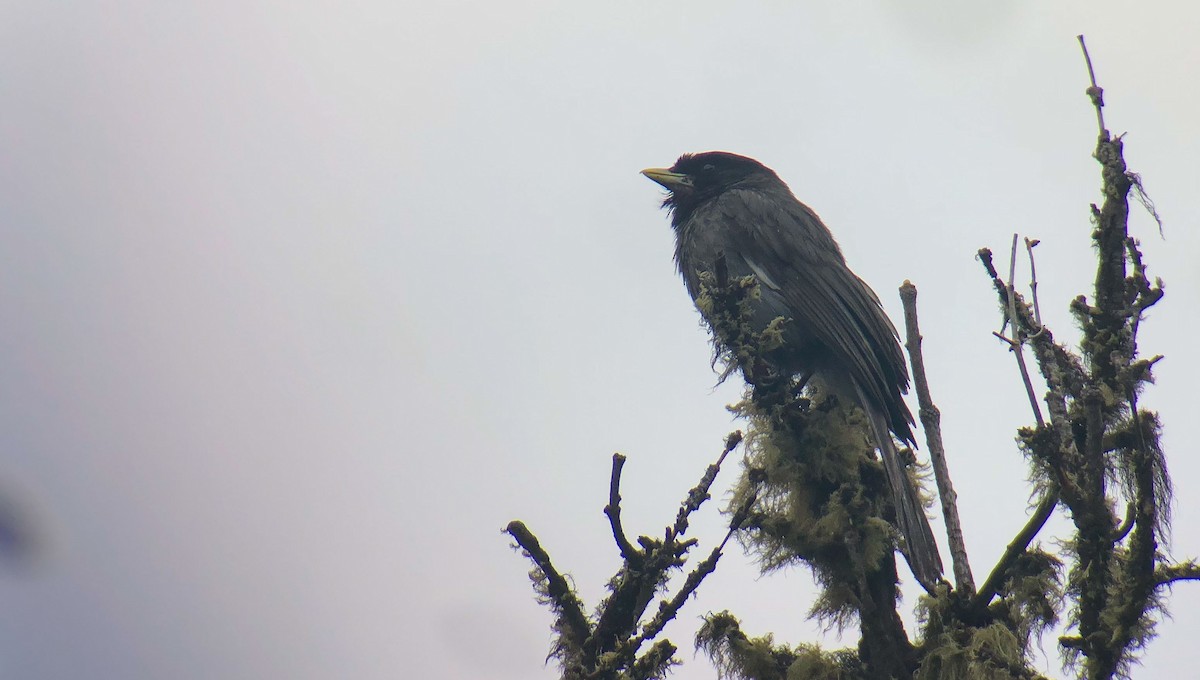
column 1030, row 244
column 931, row 422
column 613, row 510
column 1095, row 91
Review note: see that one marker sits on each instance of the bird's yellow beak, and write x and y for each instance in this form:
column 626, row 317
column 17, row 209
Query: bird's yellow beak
column 670, row 180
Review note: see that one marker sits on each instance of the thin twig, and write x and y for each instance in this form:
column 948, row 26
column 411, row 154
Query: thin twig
column 1012, row 288
column 1015, row 348
column 1017, row 343
column 1033, row 402
column 931, row 422
column 1030, row 244
column 1095, row 91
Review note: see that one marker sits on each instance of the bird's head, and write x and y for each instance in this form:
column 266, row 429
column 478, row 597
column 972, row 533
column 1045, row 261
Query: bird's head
column 695, row 178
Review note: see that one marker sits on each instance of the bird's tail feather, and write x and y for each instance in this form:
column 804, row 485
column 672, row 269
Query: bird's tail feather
column 920, row 547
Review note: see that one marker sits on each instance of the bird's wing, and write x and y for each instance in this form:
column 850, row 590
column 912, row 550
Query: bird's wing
column 790, row 251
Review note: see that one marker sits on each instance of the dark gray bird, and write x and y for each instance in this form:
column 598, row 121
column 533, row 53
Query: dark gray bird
column 722, row 204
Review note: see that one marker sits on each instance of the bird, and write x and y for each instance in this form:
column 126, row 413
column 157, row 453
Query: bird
column 733, row 208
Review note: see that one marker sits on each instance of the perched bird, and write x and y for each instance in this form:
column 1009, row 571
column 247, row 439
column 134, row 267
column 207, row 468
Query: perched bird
column 725, row 205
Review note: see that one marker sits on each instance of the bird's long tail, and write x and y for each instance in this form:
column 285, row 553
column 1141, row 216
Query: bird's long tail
column 920, row 547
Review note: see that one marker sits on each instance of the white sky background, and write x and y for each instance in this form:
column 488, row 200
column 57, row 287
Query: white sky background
column 303, row 302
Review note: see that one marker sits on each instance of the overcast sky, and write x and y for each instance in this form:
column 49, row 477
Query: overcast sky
column 302, row 302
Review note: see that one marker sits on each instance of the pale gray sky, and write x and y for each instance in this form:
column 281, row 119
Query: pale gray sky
column 303, row 301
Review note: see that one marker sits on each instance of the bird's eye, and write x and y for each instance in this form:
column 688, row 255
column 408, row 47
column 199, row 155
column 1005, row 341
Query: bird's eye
column 708, row 167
